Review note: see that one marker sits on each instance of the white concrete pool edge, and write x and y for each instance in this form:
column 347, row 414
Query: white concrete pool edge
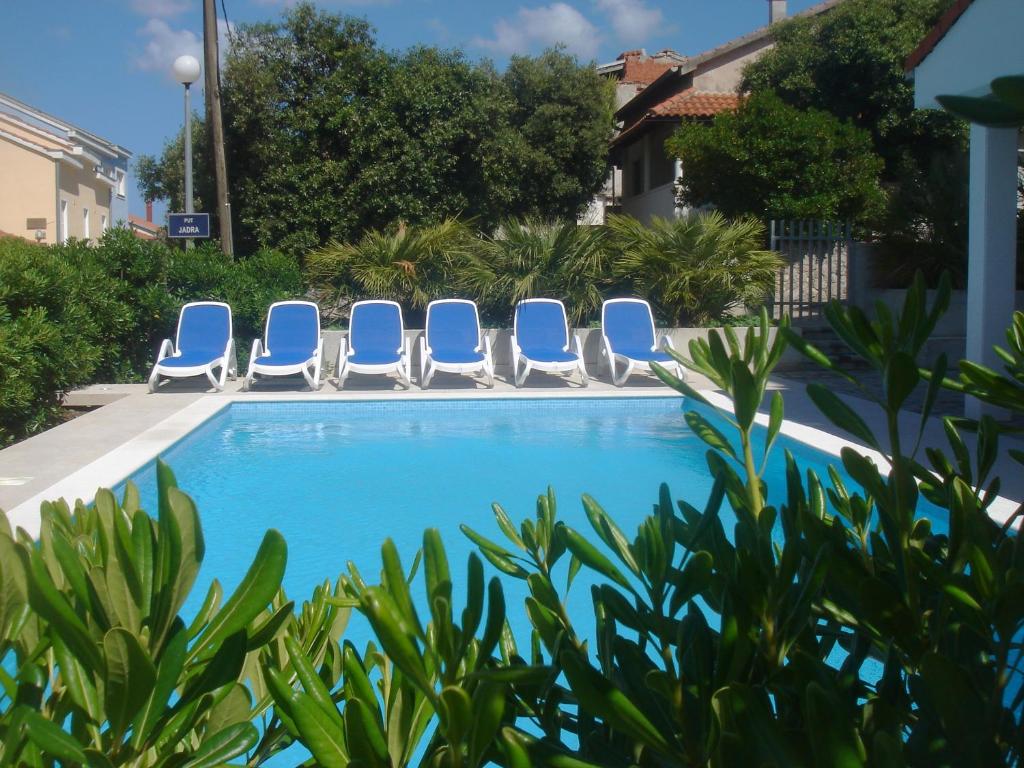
column 121, row 462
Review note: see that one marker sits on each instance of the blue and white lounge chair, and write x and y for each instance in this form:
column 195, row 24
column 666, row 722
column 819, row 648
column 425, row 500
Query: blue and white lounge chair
column 627, row 328
column 203, row 342
column 540, row 341
column 376, row 342
column 452, row 341
column 291, row 344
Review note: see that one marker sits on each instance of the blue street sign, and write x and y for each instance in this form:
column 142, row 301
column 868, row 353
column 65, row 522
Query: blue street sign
column 188, row 225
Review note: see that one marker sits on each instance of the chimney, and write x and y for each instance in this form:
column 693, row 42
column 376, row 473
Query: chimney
column 149, row 211
column 776, row 10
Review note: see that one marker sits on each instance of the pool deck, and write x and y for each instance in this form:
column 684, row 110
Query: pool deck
column 100, row 448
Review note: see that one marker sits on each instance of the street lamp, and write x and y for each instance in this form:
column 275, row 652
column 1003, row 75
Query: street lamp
column 186, row 72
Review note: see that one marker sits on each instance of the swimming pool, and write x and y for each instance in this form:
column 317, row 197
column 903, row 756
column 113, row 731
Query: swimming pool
column 337, row 478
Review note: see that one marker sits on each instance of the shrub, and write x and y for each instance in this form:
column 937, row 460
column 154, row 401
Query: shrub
column 77, row 313
column 695, row 268
column 530, row 258
column 771, row 160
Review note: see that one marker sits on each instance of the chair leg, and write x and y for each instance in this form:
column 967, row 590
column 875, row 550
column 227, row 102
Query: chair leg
column 214, row 381
column 621, row 379
column 404, row 378
column 309, row 378
column 427, row 373
column 154, row 380
column 583, row 375
column 520, row 376
column 342, row 375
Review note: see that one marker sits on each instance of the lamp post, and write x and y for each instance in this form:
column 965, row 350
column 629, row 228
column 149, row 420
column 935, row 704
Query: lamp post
column 186, row 72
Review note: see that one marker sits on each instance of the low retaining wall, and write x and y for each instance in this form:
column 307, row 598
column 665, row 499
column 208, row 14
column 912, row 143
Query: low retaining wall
column 590, row 338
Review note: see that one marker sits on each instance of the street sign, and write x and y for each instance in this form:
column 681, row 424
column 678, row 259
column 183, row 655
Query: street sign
column 188, row 225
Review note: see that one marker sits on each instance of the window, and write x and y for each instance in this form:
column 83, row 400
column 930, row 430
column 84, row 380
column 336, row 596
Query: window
column 85, row 223
column 637, row 176
column 63, row 221
column 103, row 223
column 120, row 183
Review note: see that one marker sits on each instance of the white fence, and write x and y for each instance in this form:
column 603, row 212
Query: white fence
column 817, row 266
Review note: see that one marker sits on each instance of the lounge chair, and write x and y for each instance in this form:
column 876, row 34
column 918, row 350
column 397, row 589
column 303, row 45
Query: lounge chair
column 203, row 342
column 627, row 329
column 376, row 342
column 452, row 342
column 540, row 341
column 291, row 344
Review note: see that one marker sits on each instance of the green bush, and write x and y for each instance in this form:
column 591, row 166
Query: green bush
column 78, row 313
column 774, row 161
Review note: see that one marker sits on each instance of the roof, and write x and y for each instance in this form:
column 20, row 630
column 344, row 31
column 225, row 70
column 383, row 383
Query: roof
column 143, row 229
column 944, row 24
column 694, row 103
column 73, row 131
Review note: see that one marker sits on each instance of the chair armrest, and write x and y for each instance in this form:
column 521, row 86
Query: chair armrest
column 487, row 346
column 579, row 345
column 342, row 353
column 257, row 350
column 319, row 353
column 515, row 346
column 166, row 349
column 666, row 342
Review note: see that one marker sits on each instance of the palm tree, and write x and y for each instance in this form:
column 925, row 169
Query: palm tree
column 694, row 268
column 531, row 258
column 410, row 265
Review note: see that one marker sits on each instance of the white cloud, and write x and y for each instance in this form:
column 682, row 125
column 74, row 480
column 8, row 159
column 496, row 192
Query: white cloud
column 541, row 27
column 160, row 8
column 632, row 20
column 164, row 44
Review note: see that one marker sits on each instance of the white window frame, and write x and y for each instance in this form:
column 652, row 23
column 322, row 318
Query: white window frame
column 104, row 224
column 85, row 223
column 63, row 221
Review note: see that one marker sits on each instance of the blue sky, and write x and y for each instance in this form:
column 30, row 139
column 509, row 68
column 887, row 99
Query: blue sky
column 104, row 64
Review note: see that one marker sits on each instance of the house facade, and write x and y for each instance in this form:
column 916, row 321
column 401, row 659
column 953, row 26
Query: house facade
column 686, row 88
column 57, row 181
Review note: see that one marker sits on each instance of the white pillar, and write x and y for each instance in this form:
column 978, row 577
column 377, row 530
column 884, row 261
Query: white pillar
column 992, row 250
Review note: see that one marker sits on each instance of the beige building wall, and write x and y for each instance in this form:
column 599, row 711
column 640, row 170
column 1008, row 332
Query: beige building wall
column 84, row 192
column 27, row 191
column 723, row 73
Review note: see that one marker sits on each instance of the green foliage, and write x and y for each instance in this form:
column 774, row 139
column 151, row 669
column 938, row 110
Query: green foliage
column 771, row 160
column 78, row 313
column 694, row 268
column 100, row 669
column 850, row 62
column 329, row 136
column 163, row 177
column 1004, row 108
column 532, row 258
column 410, row 265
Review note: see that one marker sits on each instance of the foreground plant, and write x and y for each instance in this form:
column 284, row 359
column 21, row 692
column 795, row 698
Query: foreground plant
column 99, row 668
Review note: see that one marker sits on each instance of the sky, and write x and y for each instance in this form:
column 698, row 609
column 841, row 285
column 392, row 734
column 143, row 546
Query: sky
column 104, row 65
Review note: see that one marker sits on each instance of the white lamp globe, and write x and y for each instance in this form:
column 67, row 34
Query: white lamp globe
column 186, row 69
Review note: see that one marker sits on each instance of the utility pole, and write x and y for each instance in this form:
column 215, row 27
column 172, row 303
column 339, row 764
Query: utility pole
column 215, row 124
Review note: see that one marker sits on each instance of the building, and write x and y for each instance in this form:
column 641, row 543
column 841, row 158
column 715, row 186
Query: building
column 975, row 42
column 145, row 228
column 57, row 181
column 677, row 88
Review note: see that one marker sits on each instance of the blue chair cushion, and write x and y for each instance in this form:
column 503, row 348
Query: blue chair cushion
column 629, row 328
column 203, row 333
column 541, row 328
column 375, row 333
column 545, row 355
column 457, row 357
column 453, row 332
column 191, row 359
column 285, row 357
column 291, row 334
column 644, row 354
column 375, row 357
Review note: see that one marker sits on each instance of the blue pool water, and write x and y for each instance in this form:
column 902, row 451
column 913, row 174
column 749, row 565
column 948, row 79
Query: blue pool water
column 338, row 478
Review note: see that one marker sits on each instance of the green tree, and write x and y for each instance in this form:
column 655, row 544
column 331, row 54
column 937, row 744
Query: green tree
column 563, row 114
column 850, row 62
column 769, row 159
column 163, row 177
column 329, row 136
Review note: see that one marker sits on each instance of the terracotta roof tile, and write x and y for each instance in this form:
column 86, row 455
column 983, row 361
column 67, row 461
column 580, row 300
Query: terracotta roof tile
column 691, row 103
